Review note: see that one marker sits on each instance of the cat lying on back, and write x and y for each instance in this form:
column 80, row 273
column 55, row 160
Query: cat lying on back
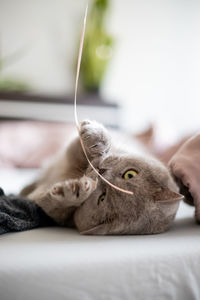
column 73, row 194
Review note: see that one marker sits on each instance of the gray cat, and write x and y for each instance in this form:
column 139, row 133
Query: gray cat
column 72, row 193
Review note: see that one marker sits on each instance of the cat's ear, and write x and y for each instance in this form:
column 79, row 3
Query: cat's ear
column 166, row 194
column 168, row 201
column 101, row 229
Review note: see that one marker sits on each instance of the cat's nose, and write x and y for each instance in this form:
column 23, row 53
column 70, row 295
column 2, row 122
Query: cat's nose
column 102, row 171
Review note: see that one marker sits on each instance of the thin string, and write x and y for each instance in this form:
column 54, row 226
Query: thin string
column 75, row 108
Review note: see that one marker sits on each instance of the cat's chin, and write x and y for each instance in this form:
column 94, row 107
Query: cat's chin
column 100, row 229
column 112, row 228
column 97, row 230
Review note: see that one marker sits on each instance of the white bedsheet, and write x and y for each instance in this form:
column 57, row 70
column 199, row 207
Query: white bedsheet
column 58, row 263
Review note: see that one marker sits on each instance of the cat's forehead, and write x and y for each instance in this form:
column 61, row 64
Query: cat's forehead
column 149, row 167
column 127, row 160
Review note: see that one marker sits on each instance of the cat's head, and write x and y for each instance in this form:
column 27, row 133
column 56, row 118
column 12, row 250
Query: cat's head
column 151, row 208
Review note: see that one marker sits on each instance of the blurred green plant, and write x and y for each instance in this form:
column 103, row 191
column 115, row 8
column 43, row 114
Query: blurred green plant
column 11, row 84
column 97, row 49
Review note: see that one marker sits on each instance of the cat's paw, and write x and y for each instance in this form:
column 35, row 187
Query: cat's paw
column 73, row 191
column 95, row 138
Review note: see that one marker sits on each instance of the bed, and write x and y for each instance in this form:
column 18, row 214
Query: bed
column 59, row 263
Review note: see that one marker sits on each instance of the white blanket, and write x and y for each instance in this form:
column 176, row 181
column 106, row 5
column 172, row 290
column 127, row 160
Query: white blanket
column 58, row 263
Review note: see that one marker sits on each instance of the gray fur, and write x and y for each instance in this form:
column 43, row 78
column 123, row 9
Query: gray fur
column 69, row 189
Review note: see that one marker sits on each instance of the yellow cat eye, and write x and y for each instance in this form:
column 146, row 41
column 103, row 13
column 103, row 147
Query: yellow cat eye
column 129, row 174
column 101, row 198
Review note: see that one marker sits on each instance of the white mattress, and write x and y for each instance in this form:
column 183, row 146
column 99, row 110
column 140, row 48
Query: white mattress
column 58, row 263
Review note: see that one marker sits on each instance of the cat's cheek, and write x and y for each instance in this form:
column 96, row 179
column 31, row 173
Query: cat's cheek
column 82, row 217
column 77, row 220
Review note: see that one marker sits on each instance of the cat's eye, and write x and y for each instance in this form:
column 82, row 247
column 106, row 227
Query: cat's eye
column 101, row 198
column 129, row 174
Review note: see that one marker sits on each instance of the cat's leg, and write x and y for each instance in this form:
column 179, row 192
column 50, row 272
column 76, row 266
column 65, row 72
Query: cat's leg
column 72, row 163
column 28, row 189
column 95, row 137
column 61, row 200
column 73, row 192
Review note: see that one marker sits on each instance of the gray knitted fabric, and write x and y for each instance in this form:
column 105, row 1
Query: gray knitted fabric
column 19, row 214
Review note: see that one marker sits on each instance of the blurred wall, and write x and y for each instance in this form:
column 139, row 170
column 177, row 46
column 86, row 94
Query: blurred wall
column 155, row 70
column 47, row 32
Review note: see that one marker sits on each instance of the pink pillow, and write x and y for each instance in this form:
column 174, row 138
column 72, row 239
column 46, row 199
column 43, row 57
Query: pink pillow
column 185, row 166
column 26, row 144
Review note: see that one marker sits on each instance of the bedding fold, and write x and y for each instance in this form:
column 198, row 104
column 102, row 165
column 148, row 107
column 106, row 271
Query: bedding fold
column 19, row 214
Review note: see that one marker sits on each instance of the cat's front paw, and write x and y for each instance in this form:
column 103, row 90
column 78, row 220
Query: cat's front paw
column 95, row 138
column 73, row 191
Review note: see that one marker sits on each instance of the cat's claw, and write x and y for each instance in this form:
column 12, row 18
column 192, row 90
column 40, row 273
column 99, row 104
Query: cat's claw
column 95, row 138
column 57, row 189
column 75, row 191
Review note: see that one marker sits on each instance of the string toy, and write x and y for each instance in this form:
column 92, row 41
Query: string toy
column 75, row 108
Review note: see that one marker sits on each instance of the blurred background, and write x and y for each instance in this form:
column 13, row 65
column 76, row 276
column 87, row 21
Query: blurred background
column 140, row 68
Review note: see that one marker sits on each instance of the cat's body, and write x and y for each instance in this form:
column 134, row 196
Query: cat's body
column 71, row 192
